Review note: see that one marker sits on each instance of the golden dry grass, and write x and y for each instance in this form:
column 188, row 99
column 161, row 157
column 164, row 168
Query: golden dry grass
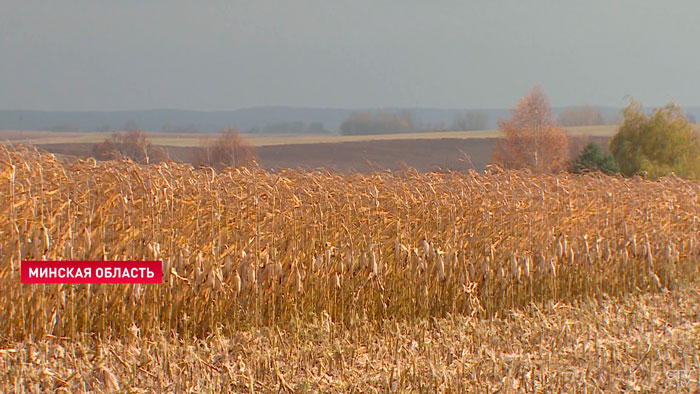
column 250, row 248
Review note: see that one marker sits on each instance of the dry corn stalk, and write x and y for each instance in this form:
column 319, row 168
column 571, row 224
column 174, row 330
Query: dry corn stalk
column 246, row 246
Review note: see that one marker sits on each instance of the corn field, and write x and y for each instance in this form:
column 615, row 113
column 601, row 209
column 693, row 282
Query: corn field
column 253, row 248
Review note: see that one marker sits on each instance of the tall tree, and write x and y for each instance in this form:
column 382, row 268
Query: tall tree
column 658, row 144
column 531, row 137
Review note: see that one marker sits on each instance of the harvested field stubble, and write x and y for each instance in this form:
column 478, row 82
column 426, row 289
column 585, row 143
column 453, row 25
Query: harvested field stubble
column 646, row 343
column 246, row 247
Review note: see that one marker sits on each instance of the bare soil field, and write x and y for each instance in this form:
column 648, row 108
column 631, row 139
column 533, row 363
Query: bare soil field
column 453, row 150
column 421, row 154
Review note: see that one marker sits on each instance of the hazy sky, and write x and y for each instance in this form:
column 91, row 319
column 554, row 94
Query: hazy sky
column 222, row 55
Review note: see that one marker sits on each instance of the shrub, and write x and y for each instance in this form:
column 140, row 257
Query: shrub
column 658, row 144
column 229, row 150
column 133, row 145
column 592, row 158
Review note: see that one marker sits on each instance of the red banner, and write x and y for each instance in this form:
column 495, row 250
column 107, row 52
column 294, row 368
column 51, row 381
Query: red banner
column 92, row 272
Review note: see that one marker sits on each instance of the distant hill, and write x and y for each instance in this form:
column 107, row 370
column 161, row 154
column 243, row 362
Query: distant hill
column 166, row 119
column 244, row 119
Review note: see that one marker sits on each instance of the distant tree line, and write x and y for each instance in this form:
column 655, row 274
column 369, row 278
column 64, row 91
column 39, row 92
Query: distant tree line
column 369, row 123
column 363, row 123
column 469, row 120
column 290, row 128
column 581, row 116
